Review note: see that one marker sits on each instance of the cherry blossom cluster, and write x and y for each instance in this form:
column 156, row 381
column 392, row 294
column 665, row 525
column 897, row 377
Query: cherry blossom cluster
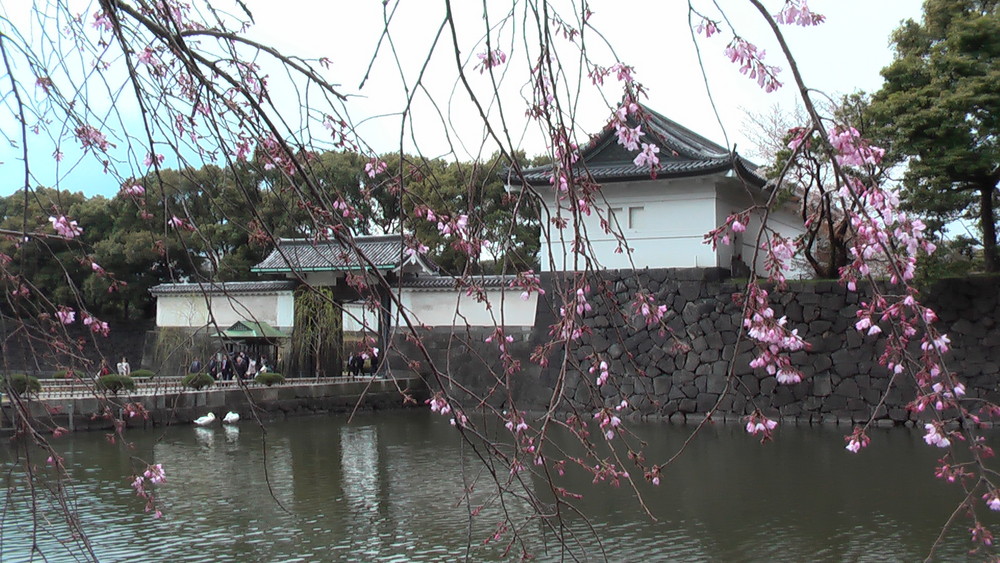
column 153, row 475
column 773, row 339
column 133, row 190
column 778, row 253
column 134, row 410
column 992, row 499
column 501, row 339
column 735, row 223
column 275, row 155
column 707, row 27
column 529, row 282
column 414, row 247
column 602, row 372
column 90, row 137
column 96, row 325
column 647, row 157
column 751, row 61
column 516, row 423
column 180, row 224
column 798, row 136
column 798, row 12
column 644, row 305
column 65, row 227
column 757, row 423
column 852, row 149
column 628, row 137
column 153, row 158
column 857, row 440
column 608, row 421
column 66, row 315
column 374, row 167
column 490, row 59
column 934, row 435
column 346, row 210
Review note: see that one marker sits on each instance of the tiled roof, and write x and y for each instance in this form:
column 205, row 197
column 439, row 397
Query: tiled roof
column 248, row 329
column 683, row 153
column 222, row 288
column 386, row 252
column 442, row 282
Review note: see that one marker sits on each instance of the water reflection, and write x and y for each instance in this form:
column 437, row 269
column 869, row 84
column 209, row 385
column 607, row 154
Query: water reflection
column 232, row 433
column 393, row 486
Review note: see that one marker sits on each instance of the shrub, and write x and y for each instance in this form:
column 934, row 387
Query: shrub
column 142, row 374
column 269, row 379
column 115, row 383
column 197, row 380
column 62, row 374
column 24, row 384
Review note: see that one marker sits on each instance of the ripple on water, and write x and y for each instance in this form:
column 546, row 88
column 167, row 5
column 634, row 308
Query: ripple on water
column 391, row 488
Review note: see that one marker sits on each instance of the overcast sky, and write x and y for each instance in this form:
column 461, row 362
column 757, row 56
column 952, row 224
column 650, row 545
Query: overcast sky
column 842, row 55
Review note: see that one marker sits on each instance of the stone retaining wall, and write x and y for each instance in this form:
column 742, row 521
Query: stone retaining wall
column 682, row 377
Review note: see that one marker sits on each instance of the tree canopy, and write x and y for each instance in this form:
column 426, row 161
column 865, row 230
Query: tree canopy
column 941, row 99
column 235, row 209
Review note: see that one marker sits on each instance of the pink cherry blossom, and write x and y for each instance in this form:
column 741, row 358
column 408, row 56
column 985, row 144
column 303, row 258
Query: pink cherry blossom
column 992, row 499
column 66, row 315
column 134, row 190
column 180, row 224
column 155, row 474
column 490, row 59
column 102, row 22
column 648, row 156
column 707, row 27
column 751, row 63
column 934, row 436
column 90, row 137
column 798, row 12
column 65, row 227
column 375, row 167
column 152, row 158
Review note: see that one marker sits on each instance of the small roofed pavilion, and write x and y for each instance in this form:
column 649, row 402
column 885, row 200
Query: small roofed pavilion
column 328, row 263
column 257, row 338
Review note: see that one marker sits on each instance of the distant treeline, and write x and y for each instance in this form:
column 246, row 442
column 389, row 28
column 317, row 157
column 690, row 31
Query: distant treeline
column 213, row 224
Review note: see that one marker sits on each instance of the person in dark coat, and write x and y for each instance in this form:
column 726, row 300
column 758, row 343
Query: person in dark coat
column 226, row 369
column 241, row 366
column 357, row 364
column 350, row 365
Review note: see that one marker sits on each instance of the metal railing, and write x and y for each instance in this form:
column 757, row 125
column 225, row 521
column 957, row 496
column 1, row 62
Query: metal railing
column 80, row 388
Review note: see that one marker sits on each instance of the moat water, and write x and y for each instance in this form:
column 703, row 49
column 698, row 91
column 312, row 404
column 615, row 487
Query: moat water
column 394, row 486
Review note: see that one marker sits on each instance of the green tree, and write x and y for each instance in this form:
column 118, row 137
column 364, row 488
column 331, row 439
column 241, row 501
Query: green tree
column 941, row 99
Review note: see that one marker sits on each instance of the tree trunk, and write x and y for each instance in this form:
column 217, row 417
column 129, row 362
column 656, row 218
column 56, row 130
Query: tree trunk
column 987, row 221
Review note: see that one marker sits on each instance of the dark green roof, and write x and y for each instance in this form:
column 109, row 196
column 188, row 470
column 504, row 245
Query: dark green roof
column 248, row 329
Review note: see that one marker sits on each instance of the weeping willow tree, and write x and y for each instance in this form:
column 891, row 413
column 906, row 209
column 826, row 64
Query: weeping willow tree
column 317, row 342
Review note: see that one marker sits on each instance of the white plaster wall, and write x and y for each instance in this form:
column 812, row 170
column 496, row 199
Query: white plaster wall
column 734, row 198
column 663, row 222
column 357, row 317
column 195, row 311
column 447, row 307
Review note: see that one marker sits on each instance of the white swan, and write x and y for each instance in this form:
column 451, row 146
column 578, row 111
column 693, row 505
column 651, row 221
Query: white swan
column 231, row 418
column 205, row 420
